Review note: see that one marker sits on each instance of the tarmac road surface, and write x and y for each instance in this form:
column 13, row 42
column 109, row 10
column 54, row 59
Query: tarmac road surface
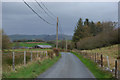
column 69, row 66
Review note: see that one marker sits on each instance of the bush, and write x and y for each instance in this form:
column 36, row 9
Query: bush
column 62, row 44
column 62, row 50
column 6, row 43
column 50, row 54
column 56, row 51
column 101, row 40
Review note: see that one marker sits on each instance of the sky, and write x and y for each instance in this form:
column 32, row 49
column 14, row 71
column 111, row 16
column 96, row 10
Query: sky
column 17, row 18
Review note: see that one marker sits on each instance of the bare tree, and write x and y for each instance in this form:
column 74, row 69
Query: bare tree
column 6, row 43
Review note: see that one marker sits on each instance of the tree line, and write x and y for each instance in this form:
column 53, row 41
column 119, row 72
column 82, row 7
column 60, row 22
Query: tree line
column 25, row 40
column 90, row 35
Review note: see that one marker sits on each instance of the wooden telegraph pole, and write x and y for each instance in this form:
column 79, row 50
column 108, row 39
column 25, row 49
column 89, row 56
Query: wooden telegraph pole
column 66, row 44
column 57, row 35
column 118, row 40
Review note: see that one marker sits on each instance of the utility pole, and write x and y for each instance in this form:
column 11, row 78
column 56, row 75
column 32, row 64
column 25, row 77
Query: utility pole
column 66, row 44
column 119, row 40
column 57, row 35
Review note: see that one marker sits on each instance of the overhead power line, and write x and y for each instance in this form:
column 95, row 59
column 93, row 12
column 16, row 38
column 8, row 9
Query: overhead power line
column 61, row 30
column 48, row 10
column 43, row 9
column 36, row 7
column 36, row 13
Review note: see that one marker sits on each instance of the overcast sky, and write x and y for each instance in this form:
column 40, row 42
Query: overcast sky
column 19, row 19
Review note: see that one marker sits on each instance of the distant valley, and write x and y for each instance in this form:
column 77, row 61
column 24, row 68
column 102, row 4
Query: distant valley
column 42, row 37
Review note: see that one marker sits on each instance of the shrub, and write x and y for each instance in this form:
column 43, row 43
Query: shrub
column 56, row 51
column 101, row 40
column 50, row 54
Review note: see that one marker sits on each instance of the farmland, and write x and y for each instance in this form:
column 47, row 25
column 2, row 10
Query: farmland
column 21, row 50
column 27, row 44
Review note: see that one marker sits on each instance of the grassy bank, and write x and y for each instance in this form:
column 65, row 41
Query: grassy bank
column 32, row 70
column 111, row 51
column 97, row 72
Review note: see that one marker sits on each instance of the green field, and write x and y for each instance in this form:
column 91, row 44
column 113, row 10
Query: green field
column 22, row 50
column 24, row 44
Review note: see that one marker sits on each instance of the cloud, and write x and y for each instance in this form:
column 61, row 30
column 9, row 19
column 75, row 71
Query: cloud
column 19, row 19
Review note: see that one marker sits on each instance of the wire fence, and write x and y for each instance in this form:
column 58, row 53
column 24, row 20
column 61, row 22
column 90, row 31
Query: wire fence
column 12, row 61
column 106, row 62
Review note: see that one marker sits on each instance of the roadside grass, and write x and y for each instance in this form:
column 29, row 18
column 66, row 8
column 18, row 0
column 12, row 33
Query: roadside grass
column 93, row 67
column 32, row 70
column 110, row 51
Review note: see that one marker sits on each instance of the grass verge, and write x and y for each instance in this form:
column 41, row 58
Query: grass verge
column 97, row 72
column 32, row 70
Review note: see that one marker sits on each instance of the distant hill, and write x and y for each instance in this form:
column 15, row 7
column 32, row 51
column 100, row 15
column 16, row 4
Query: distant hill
column 42, row 37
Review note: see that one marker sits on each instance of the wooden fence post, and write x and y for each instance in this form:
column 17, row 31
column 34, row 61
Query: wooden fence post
column 46, row 53
column 31, row 55
column 24, row 58
column 91, row 56
column 37, row 54
column 101, row 60
column 95, row 57
column 40, row 53
column 43, row 53
column 87, row 55
column 108, row 62
column 13, row 61
column 118, row 69
column 115, row 68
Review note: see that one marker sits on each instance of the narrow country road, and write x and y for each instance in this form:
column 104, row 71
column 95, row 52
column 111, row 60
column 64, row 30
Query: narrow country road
column 69, row 66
